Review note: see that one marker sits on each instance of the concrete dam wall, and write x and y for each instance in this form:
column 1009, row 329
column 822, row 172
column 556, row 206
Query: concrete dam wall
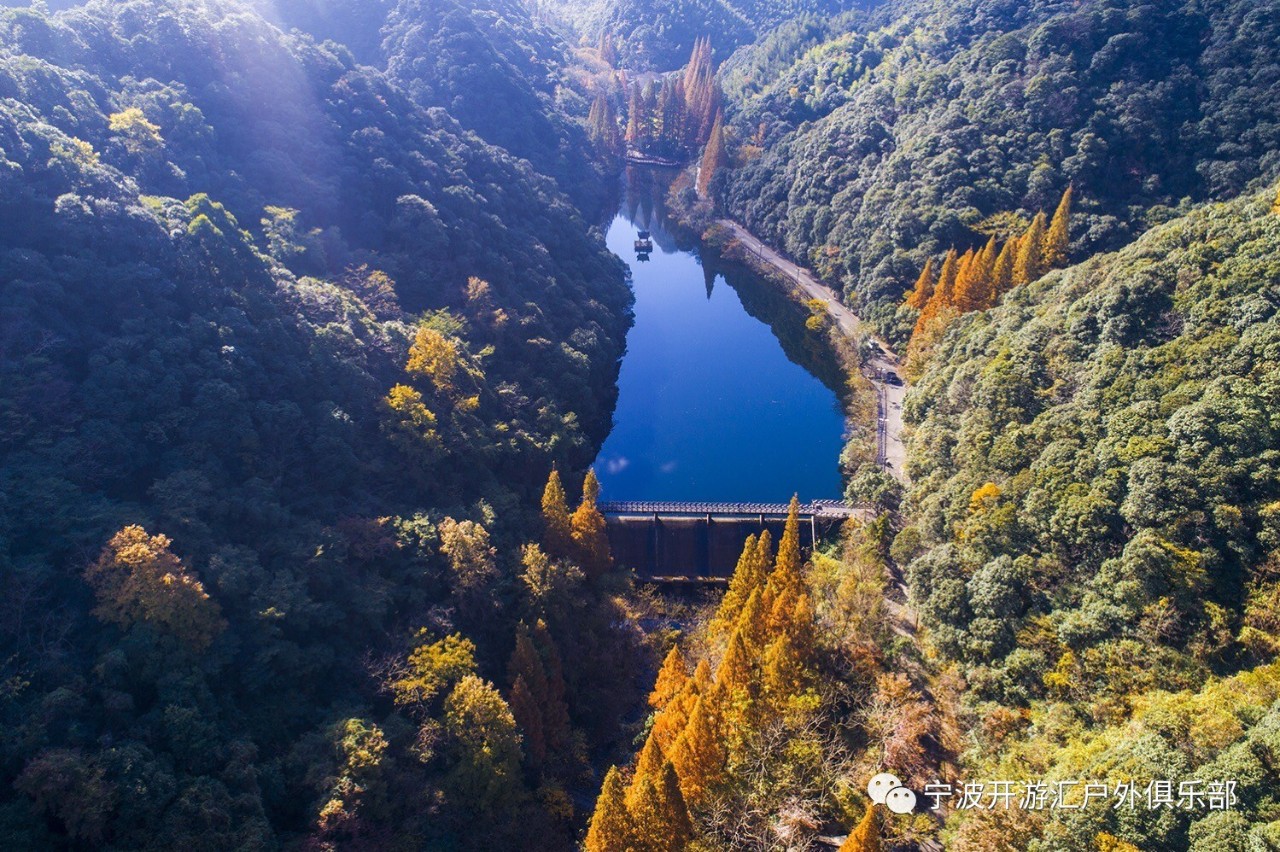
column 702, row 542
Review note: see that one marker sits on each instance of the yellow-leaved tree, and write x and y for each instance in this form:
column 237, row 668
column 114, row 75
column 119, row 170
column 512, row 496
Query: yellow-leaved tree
column 587, row 529
column 866, row 836
column 558, row 537
column 434, row 357
column 138, row 134
column 672, row 678
column 138, row 579
column 611, row 829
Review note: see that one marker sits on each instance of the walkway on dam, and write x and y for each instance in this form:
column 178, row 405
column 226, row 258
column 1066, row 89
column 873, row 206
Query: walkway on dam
column 816, row 508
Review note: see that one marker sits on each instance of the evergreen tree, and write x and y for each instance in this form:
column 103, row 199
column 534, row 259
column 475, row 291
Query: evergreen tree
column 702, row 95
column 1058, row 237
column 752, row 624
column 587, row 528
column 930, row 328
column 962, row 268
column 672, row 679
column 740, row 585
column 528, row 665
column 714, row 157
column 974, row 287
column 528, row 716
column 660, row 815
column 611, row 829
column 648, row 768
column 669, row 118
column 966, row 286
column 787, row 579
column 1002, row 272
column 923, row 289
column 602, row 127
column 649, row 96
column 636, row 137
column 558, row 536
column 802, row 630
column 782, row 673
column 555, row 712
column 943, row 296
column 764, row 558
column 750, row 575
column 866, row 837
column 702, row 678
column 944, row 293
column 1029, row 264
column 525, row 663
column 736, row 689
column 608, row 49
column 698, row 754
column 670, row 721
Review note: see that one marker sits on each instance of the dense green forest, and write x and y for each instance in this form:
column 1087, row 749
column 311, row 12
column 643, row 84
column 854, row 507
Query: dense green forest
column 496, row 69
column 1092, row 523
column 285, row 359
column 309, row 337
column 880, row 142
column 653, row 35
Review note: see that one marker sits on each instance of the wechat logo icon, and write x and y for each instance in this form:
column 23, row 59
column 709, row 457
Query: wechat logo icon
column 886, row 789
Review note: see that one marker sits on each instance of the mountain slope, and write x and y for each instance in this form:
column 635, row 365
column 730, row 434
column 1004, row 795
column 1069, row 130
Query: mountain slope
column 1094, row 464
column 888, row 142
column 285, row 359
column 492, row 66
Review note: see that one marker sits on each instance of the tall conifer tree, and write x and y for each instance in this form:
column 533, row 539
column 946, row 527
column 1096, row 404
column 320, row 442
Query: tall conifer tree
column 672, row 678
column 660, row 815
column 611, row 829
column 866, row 836
column 1058, row 237
column 698, row 754
column 714, row 157
column 788, row 578
column 557, row 536
column 1029, row 264
column 587, row 526
column 1002, row 273
column 923, row 289
column 528, row 716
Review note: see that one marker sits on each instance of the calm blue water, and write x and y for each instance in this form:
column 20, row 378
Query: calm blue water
column 709, row 406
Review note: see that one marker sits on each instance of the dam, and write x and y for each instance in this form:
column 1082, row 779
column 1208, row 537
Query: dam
column 699, row 543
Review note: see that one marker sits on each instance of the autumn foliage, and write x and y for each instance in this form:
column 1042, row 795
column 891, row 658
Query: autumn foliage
column 708, row 724
column 580, row 536
column 977, row 280
column 677, row 115
column 138, row 579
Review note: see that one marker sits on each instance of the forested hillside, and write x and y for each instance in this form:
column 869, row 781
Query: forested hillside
column 871, row 145
column 309, row 337
column 499, row 72
column 285, row 359
column 1093, row 519
column 657, row 35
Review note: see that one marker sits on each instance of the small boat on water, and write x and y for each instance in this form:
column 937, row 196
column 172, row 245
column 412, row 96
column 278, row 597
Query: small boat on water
column 645, row 245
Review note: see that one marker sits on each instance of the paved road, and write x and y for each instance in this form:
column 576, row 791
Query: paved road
column 890, row 449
